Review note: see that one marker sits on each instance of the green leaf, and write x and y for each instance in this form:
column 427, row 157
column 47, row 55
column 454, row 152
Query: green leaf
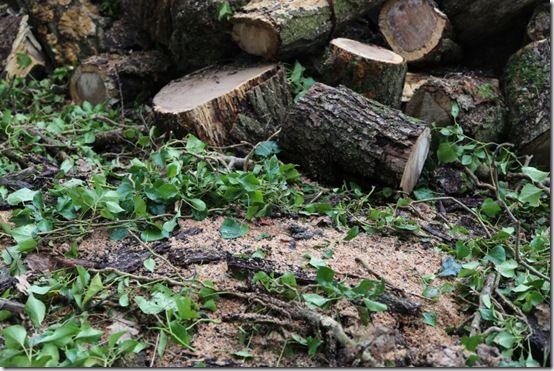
column 455, row 110
column 535, row 174
column 313, row 343
column 15, row 335
column 471, row 342
column 430, row 318
column 375, row 306
column 124, row 300
column 352, row 233
column 325, row 275
column 23, row 60
column 197, row 204
column 94, row 288
column 148, row 307
column 497, row 255
column 113, row 207
column 35, row 309
column 266, row 149
column 184, row 308
column 505, row 339
column 315, row 300
column 530, row 194
column 161, row 344
column 21, row 195
column 490, row 207
column 423, row 194
column 150, row 264
column 431, row 292
column 507, row 268
column 231, row 229
column 450, row 267
column 194, row 144
column 447, row 153
column 243, row 354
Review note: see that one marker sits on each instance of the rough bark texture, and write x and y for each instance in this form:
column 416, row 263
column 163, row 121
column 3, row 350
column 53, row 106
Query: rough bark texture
column 527, row 91
column 538, row 27
column 476, row 20
column 112, row 77
column 189, row 29
column 482, row 110
column 375, row 72
column 69, row 30
column 271, row 28
column 411, row 83
column 16, row 39
column 418, row 31
column 247, row 109
column 334, row 132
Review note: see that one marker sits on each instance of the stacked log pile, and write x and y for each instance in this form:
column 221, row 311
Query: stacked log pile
column 367, row 117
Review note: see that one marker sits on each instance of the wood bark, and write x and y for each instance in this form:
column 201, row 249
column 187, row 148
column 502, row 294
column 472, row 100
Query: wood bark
column 411, row 83
column 20, row 52
column 418, row 31
column 189, row 29
column 482, row 112
column 273, row 29
column 223, row 104
column 538, row 27
column 333, row 132
column 375, row 72
column 476, row 20
column 110, row 78
column 527, row 91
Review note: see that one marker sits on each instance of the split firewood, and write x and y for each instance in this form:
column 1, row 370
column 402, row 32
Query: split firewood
column 20, row 52
column 271, row 28
column 527, row 92
column 538, row 27
column 375, row 72
column 478, row 20
column 411, row 83
column 418, row 31
column 221, row 103
column 482, row 112
column 335, row 132
column 114, row 77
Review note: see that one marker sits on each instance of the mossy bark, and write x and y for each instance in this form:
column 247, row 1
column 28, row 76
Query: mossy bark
column 123, row 78
column 335, row 132
column 376, row 79
column 538, row 27
column 273, row 29
column 482, row 111
column 527, row 91
column 251, row 111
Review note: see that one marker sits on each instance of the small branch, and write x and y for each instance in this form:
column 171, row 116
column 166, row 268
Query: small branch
column 12, row 306
column 488, row 287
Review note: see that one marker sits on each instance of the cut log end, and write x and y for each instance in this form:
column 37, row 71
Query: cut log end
column 257, row 38
column 368, row 51
column 212, row 103
column 88, row 83
column 413, row 28
column 416, row 162
column 375, row 72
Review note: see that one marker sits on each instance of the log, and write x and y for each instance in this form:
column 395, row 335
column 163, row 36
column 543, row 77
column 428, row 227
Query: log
column 17, row 40
column 418, row 31
column 538, row 27
column 284, row 28
column 482, row 113
column 412, row 82
column 109, row 78
column 375, row 72
column 189, row 29
column 335, row 132
column 527, row 92
column 69, row 30
column 478, row 20
column 222, row 104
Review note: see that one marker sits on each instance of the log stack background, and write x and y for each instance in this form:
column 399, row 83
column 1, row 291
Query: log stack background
column 366, row 117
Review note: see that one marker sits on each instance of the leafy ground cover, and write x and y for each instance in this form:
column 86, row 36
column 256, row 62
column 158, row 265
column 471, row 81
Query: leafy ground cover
column 70, row 173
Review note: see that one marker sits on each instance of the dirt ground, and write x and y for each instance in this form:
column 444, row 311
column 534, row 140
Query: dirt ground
column 403, row 262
